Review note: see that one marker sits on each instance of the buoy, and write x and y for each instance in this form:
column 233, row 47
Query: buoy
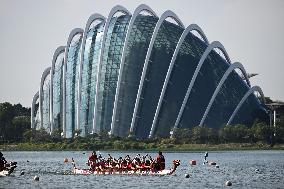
column 186, row 175
column 65, row 160
column 212, row 163
column 28, row 161
column 192, row 162
column 228, row 183
column 217, row 166
column 36, row 178
column 22, row 172
column 256, row 170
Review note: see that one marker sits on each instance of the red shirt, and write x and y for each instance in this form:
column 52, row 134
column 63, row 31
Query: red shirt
column 93, row 158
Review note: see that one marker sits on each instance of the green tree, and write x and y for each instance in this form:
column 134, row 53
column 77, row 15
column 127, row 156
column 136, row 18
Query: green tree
column 19, row 110
column 33, row 135
column 56, row 135
column 233, row 133
column 279, row 130
column 212, row 136
column 200, row 134
column 20, row 124
column 182, row 135
column 260, row 132
column 14, row 121
column 240, row 133
column 6, row 116
column 225, row 133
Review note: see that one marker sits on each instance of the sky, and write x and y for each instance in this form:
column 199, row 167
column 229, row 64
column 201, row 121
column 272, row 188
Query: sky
column 252, row 31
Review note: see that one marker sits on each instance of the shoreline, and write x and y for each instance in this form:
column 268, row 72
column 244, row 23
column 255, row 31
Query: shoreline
column 173, row 148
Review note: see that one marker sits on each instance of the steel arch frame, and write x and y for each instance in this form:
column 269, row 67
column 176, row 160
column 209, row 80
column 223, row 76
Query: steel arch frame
column 189, row 29
column 113, row 11
column 58, row 51
column 251, row 91
column 213, row 45
column 36, row 96
column 91, row 19
column 234, row 66
column 73, row 33
column 164, row 16
column 45, row 73
column 137, row 11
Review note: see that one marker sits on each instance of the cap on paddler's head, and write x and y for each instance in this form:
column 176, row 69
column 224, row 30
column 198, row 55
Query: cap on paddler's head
column 94, row 152
column 1, row 154
column 160, row 153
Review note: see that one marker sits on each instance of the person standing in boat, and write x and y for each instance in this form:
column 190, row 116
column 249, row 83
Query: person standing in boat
column 160, row 162
column 92, row 161
column 205, row 158
column 2, row 162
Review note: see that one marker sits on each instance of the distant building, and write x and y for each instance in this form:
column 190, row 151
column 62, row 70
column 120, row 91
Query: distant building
column 143, row 75
column 276, row 110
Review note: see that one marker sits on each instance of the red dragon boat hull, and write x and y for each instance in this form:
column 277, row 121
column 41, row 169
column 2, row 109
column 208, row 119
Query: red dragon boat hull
column 80, row 171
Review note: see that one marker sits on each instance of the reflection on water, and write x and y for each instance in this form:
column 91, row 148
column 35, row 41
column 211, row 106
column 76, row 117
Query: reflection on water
column 246, row 169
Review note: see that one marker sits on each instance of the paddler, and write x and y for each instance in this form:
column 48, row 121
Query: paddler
column 2, row 162
column 92, row 161
column 160, row 162
column 205, row 158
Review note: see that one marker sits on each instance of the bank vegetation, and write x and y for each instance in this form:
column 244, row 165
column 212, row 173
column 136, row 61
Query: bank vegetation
column 15, row 134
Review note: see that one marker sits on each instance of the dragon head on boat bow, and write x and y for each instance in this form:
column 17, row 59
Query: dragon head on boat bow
column 176, row 163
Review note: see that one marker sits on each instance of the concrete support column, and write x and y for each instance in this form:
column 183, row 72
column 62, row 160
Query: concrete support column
column 274, row 118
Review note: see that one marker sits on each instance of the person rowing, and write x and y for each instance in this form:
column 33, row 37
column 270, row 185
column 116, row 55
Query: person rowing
column 205, row 158
column 93, row 160
column 146, row 163
column 5, row 167
column 3, row 162
column 159, row 163
column 123, row 165
column 113, row 164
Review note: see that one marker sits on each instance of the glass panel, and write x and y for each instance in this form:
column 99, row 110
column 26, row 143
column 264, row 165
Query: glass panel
column 109, row 71
column 226, row 101
column 57, row 93
column 205, row 84
column 163, row 49
column 45, row 104
column 136, row 51
column 250, row 111
column 71, row 77
column 187, row 59
column 36, row 113
column 89, row 76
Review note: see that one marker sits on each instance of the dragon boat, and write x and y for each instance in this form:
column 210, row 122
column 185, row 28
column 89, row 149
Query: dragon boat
column 151, row 172
column 9, row 168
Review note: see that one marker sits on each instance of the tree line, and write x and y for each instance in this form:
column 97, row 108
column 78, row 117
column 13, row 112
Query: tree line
column 258, row 132
column 15, row 127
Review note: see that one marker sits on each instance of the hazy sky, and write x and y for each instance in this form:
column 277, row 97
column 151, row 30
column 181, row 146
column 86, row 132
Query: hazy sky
column 252, row 32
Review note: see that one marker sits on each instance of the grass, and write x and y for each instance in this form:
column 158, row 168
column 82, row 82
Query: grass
column 137, row 146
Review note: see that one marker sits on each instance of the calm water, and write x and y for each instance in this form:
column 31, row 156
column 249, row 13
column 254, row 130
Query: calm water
column 246, row 169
